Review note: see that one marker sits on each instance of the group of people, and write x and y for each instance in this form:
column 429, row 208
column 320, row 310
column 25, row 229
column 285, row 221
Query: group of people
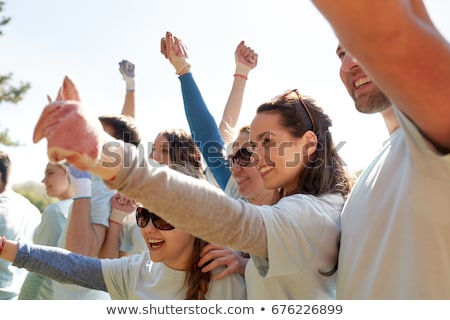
column 279, row 217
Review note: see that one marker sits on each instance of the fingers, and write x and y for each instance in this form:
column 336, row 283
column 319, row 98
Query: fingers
column 68, row 91
column 123, row 203
column 210, row 247
column 163, row 47
column 246, row 55
column 229, row 270
column 169, row 44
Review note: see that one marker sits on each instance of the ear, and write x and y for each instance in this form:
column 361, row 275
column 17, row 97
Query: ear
column 311, row 142
column 68, row 91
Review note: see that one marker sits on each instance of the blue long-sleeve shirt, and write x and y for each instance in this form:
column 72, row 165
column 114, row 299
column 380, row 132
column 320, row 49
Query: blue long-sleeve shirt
column 204, row 130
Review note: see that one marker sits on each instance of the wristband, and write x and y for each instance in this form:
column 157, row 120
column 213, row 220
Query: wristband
column 112, row 221
column 130, row 85
column 118, row 216
column 240, row 76
column 82, row 188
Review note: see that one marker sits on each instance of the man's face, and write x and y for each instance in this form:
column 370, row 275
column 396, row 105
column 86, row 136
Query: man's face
column 367, row 96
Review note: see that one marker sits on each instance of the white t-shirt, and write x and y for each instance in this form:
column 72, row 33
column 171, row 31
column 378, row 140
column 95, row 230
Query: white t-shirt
column 131, row 240
column 19, row 219
column 303, row 239
column 396, row 224
column 136, row 277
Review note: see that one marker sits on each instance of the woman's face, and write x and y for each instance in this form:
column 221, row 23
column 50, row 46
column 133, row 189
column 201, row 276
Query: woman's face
column 172, row 247
column 278, row 155
column 56, row 181
column 161, row 150
column 248, row 179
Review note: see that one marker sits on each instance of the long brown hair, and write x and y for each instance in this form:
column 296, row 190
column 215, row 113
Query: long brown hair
column 197, row 282
column 325, row 171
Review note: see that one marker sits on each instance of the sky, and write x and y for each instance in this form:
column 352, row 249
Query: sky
column 85, row 39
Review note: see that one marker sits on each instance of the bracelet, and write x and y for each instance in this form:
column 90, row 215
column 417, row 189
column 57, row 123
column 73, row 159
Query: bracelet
column 240, row 76
column 110, row 220
column 2, row 244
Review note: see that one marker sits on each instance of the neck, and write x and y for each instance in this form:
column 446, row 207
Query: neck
column 264, row 199
column 390, row 120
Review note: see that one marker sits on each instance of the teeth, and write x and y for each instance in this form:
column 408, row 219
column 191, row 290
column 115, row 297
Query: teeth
column 264, row 169
column 155, row 241
column 360, row 82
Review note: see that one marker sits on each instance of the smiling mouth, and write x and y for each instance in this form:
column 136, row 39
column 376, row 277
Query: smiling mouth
column 360, row 82
column 264, row 169
column 155, row 243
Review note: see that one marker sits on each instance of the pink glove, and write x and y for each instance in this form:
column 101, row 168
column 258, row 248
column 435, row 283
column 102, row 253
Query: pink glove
column 121, row 207
column 70, row 135
column 174, row 50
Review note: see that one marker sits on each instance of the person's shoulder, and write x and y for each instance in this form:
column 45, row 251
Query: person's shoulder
column 23, row 201
column 61, row 207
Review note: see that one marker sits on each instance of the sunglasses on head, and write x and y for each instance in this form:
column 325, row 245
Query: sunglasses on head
column 243, row 158
column 294, row 96
column 143, row 217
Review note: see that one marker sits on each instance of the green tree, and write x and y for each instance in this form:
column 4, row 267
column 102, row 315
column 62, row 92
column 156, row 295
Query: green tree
column 9, row 92
column 35, row 192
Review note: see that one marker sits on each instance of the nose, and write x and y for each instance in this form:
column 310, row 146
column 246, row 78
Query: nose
column 349, row 62
column 155, row 156
column 257, row 155
column 234, row 167
column 149, row 228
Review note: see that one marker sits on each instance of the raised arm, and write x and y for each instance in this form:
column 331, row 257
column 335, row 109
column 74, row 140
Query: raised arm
column 246, row 60
column 121, row 207
column 126, row 69
column 84, row 236
column 204, row 129
column 405, row 55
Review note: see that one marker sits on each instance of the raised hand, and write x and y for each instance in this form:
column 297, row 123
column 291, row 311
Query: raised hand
column 222, row 256
column 246, row 59
column 126, row 68
column 121, row 207
column 173, row 49
column 72, row 136
column 81, row 183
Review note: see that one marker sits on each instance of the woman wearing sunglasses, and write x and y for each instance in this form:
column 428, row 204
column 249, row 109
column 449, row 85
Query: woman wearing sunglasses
column 168, row 270
column 293, row 243
column 237, row 181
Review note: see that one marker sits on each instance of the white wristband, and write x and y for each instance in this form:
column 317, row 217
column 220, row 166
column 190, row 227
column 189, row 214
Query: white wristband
column 118, row 216
column 82, row 188
column 130, row 85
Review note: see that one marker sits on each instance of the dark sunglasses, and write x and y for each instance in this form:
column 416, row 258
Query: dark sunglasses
column 143, row 217
column 294, row 96
column 243, row 158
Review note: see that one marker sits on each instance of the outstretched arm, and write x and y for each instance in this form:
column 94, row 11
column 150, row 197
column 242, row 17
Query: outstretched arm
column 55, row 263
column 246, row 60
column 405, row 55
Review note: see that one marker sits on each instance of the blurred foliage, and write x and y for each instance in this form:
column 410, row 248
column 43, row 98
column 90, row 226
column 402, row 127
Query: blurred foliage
column 35, row 192
column 9, row 92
